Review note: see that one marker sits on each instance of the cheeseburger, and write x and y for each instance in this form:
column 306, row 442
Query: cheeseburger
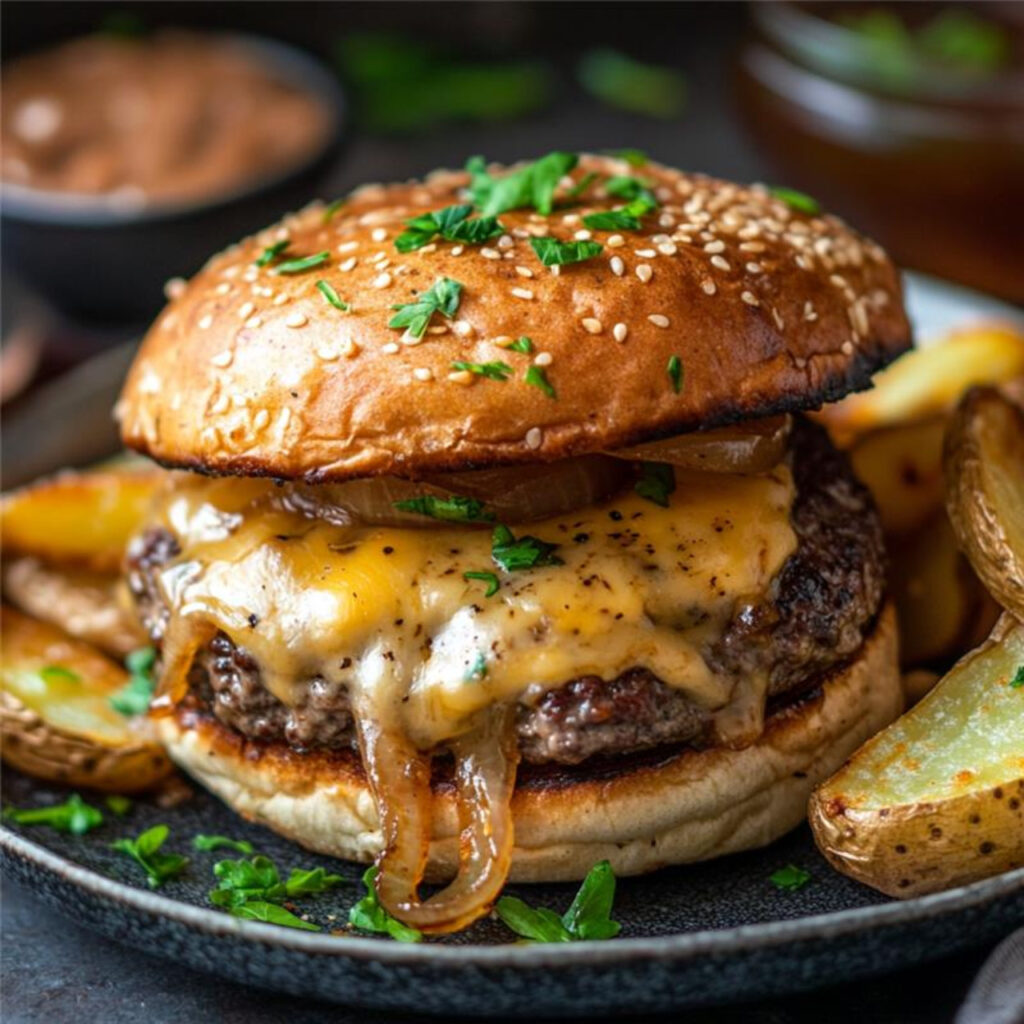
column 497, row 542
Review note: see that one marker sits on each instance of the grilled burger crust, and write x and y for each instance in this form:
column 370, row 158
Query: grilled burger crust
column 252, row 372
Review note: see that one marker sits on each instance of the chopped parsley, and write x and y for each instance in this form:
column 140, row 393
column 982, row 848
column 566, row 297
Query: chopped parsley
column 272, row 252
column 522, row 344
column 118, row 804
column 369, row 916
column 74, row 816
column 633, row 157
column 325, row 289
column 58, row 674
column 490, row 578
column 257, row 879
column 536, row 377
column 552, row 253
column 453, row 509
column 332, row 208
column 270, row 913
column 628, row 187
column 299, row 266
column 511, row 553
column 612, row 220
column 657, row 481
column 495, row 370
column 441, row 297
column 674, row 369
column 1018, row 679
column 145, row 851
column 478, row 670
column 453, row 223
column 580, row 187
column 208, row 843
column 790, row 878
column 133, row 698
column 533, row 185
column 588, row 918
column 796, row 200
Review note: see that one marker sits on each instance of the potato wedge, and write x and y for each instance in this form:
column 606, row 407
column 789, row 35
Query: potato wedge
column 902, row 467
column 84, row 519
column 56, row 720
column 929, row 380
column 937, row 798
column 985, row 491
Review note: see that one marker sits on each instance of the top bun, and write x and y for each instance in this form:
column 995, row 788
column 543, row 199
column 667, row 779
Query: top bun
column 727, row 303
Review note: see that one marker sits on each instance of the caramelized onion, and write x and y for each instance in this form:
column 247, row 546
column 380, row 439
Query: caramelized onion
column 486, row 759
column 511, row 494
column 184, row 636
column 753, row 447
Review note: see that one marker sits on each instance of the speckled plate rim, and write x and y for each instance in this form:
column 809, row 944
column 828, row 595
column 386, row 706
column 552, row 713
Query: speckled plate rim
column 744, row 938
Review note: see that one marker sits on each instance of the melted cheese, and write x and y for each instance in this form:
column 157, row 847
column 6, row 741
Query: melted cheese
column 388, row 612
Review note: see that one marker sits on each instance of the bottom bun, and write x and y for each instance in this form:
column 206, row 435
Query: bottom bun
column 640, row 813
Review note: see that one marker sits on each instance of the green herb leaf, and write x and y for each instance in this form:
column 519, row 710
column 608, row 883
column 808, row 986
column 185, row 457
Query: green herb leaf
column 674, row 369
column 1018, row 679
column 496, row 370
column 533, row 185
column 552, row 253
column 369, row 916
column 580, row 187
column 626, row 186
column 145, row 851
column 790, row 878
column 325, row 289
column 627, row 84
column 272, row 252
column 633, row 157
column 522, row 344
column 133, row 698
column 453, row 223
column 453, row 509
column 208, row 843
column 271, row 913
column 74, row 816
column 796, row 200
column 141, row 661
column 478, row 670
column 512, row 554
column 537, row 925
column 611, row 220
column 332, row 208
column 536, row 377
column 240, row 881
column 490, row 578
column 441, row 297
column 657, row 481
column 299, row 266
column 58, row 674
column 310, row 882
column 120, row 805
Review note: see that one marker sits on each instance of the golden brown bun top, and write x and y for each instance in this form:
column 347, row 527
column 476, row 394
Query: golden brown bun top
column 766, row 308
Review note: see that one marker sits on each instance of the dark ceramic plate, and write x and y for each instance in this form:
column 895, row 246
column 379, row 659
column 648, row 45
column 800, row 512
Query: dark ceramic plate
column 700, row 935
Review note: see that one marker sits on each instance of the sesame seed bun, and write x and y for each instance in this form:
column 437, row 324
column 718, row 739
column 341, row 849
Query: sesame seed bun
column 641, row 815
column 767, row 309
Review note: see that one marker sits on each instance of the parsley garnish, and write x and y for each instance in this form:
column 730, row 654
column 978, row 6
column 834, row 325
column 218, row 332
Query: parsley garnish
column 74, row 816
column 369, row 916
column 332, row 208
column 674, row 369
column 536, row 376
column 478, row 670
column 552, row 253
column 453, row 509
column 272, row 252
column 612, row 220
column 522, row 344
column 489, row 578
column 453, row 223
column 580, row 187
column 588, row 918
column 325, row 289
column 305, row 263
column 633, row 157
column 533, row 185
column 270, row 913
column 119, row 804
column 208, row 843
column 796, row 200
column 1018, row 679
column 625, row 186
column 512, row 554
column 133, row 698
column 495, row 370
column 58, row 674
column 790, row 878
column 657, row 481
column 257, row 880
column 441, row 297
column 145, row 851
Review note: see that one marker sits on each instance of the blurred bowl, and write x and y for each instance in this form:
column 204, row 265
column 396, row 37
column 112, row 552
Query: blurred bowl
column 100, row 262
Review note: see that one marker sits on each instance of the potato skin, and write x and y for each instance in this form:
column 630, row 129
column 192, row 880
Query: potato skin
column 915, row 849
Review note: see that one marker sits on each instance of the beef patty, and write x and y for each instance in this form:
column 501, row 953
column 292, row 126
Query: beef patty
column 814, row 616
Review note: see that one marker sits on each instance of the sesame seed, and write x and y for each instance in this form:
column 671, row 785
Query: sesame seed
column 348, row 264
column 708, row 287
column 555, row 270
column 253, row 322
column 490, row 254
column 659, row 320
column 644, row 272
column 522, row 293
column 426, row 250
column 246, row 309
column 777, row 317
column 752, row 246
column 753, row 268
column 382, row 280
column 571, row 218
column 437, row 329
column 846, row 348
column 463, row 328
column 716, row 246
column 750, row 298
column 296, row 319
column 647, row 254
column 583, row 235
column 410, row 340
column 618, row 267
column 619, row 332
column 543, row 359
column 280, row 300
column 506, row 242
column 534, row 438
column 592, row 325
column 614, row 241
column 461, row 377
column 348, row 246
column 837, row 280
column 502, row 341
column 223, row 358
column 175, row 287
column 524, row 271
column 205, row 322
column 667, row 249
column 261, row 419
column 390, row 348
column 423, row 373
column 220, row 405
column 458, row 250
column 223, row 288
column 328, row 355
column 720, row 262
column 809, row 312
column 378, row 234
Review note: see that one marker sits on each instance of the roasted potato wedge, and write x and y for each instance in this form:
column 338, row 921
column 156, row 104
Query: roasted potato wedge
column 56, row 720
column 79, row 518
column 985, row 491
column 937, row 798
column 929, row 380
column 902, row 466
